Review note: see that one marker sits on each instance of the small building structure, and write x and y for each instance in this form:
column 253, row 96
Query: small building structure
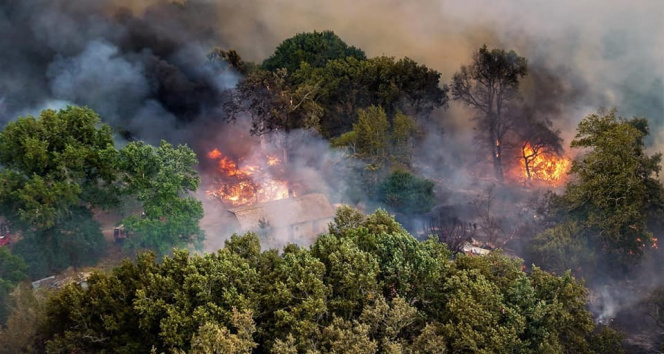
column 297, row 220
column 70, row 275
column 475, row 248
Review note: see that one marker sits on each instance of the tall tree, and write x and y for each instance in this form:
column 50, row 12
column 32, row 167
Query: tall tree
column 489, row 85
column 377, row 141
column 54, row 170
column 615, row 189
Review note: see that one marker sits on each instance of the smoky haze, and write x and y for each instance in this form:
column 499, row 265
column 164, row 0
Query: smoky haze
column 142, row 65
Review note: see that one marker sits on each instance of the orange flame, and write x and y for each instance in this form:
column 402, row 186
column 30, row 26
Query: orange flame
column 241, row 183
column 214, row 154
column 544, row 167
column 272, row 160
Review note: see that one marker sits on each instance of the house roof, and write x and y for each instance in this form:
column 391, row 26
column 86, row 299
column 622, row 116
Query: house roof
column 284, row 212
column 468, row 248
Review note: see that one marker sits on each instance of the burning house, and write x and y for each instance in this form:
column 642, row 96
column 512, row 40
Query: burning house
column 297, row 219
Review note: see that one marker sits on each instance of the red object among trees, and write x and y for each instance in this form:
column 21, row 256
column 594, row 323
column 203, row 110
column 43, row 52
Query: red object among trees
column 5, row 237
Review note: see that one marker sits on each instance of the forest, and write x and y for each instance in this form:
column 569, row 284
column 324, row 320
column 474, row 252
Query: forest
column 472, row 212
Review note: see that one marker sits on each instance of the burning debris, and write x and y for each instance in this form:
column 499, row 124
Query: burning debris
column 247, row 180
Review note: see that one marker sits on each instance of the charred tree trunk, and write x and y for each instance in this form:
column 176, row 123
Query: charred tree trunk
column 526, row 163
column 497, row 155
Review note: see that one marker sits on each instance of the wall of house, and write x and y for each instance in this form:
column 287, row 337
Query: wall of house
column 305, row 232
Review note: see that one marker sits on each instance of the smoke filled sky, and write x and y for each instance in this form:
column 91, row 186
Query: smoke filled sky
column 141, row 64
column 605, row 52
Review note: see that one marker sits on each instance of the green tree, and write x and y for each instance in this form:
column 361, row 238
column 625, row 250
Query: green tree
column 343, row 336
column 313, row 48
column 561, row 248
column 404, row 133
column 378, row 142
column 54, row 170
column 293, row 296
column 52, row 163
column 75, row 241
column 12, row 271
column 406, row 193
column 615, row 189
column 351, row 274
column 348, row 85
column 489, row 85
column 160, row 178
column 222, row 59
column 367, row 287
column 369, row 138
column 214, row 339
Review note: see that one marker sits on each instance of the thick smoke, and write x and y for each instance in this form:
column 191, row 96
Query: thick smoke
column 145, row 74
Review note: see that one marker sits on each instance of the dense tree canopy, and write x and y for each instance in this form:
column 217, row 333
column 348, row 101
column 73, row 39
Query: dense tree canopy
column 349, row 85
column 53, row 163
column 58, row 169
column 273, row 104
column 313, row 48
column 315, row 81
column 53, row 170
column 367, row 286
column 406, row 193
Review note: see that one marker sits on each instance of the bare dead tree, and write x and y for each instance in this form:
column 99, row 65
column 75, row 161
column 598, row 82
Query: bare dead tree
column 451, row 231
column 489, row 227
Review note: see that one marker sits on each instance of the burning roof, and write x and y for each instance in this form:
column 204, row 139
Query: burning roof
column 249, row 180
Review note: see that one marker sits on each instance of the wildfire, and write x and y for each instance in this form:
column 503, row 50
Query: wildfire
column 272, row 160
column 543, row 166
column 246, row 182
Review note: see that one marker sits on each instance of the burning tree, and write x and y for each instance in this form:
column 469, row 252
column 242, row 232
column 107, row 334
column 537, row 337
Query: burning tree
column 540, row 151
column 489, row 85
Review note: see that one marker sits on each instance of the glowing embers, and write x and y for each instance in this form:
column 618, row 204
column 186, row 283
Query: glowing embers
column 541, row 166
column 247, row 181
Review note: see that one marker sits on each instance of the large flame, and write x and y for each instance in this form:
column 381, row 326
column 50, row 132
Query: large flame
column 246, row 182
column 544, row 167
